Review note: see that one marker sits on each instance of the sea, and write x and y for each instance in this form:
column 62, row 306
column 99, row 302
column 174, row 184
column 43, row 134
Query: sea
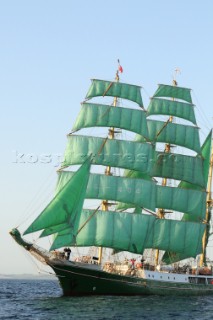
column 41, row 298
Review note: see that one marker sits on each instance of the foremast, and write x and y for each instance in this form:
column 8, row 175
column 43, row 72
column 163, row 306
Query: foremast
column 111, row 135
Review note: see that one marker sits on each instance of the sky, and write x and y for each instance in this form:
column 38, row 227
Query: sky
column 49, row 51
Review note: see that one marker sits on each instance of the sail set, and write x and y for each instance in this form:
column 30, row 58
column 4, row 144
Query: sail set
column 137, row 188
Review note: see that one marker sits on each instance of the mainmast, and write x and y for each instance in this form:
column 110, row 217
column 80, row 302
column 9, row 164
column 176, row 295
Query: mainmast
column 208, row 209
column 111, row 135
column 161, row 212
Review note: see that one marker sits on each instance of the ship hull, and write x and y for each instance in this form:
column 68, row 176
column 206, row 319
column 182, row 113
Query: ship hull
column 78, row 280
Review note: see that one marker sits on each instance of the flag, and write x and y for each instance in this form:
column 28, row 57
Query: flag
column 120, row 69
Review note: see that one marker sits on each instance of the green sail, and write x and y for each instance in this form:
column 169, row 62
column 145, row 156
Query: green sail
column 192, row 202
column 173, row 92
column 66, row 204
column 206, row 155
column 131, row 232
column 171, row 257
column 172, row 108
column 178, row 235
column 54, row 229
column 145, row 194
column 172, row 133
column 179, row 167
column 99, row 115
column 137, row 174
column 120, row 231
column 109, row 152
column 136, row 191
column 115, row 89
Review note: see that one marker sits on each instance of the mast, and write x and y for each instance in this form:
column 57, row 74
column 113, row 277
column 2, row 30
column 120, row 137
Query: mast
column 161, row 212
column 111, row 135
column 208, row 208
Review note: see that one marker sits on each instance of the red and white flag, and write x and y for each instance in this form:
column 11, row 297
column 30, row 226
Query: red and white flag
column 120, row 69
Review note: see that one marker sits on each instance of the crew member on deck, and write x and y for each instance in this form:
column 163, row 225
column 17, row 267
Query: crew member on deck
column 132, row 263
column 142, row 261
column 67, row 252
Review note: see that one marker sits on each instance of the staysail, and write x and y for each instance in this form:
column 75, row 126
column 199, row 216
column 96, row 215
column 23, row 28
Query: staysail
column 66, row 204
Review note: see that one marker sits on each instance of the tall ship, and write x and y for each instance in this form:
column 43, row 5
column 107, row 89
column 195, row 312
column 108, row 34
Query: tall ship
column 137, row 200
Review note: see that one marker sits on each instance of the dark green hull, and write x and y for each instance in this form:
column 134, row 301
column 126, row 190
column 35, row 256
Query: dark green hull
column 76, row 280
column 84, row 279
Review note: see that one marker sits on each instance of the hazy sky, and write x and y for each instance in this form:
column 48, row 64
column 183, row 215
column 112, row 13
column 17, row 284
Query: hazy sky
column 49, row 52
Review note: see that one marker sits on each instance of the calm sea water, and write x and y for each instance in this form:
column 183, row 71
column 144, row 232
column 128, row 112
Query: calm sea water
column 42, row 299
